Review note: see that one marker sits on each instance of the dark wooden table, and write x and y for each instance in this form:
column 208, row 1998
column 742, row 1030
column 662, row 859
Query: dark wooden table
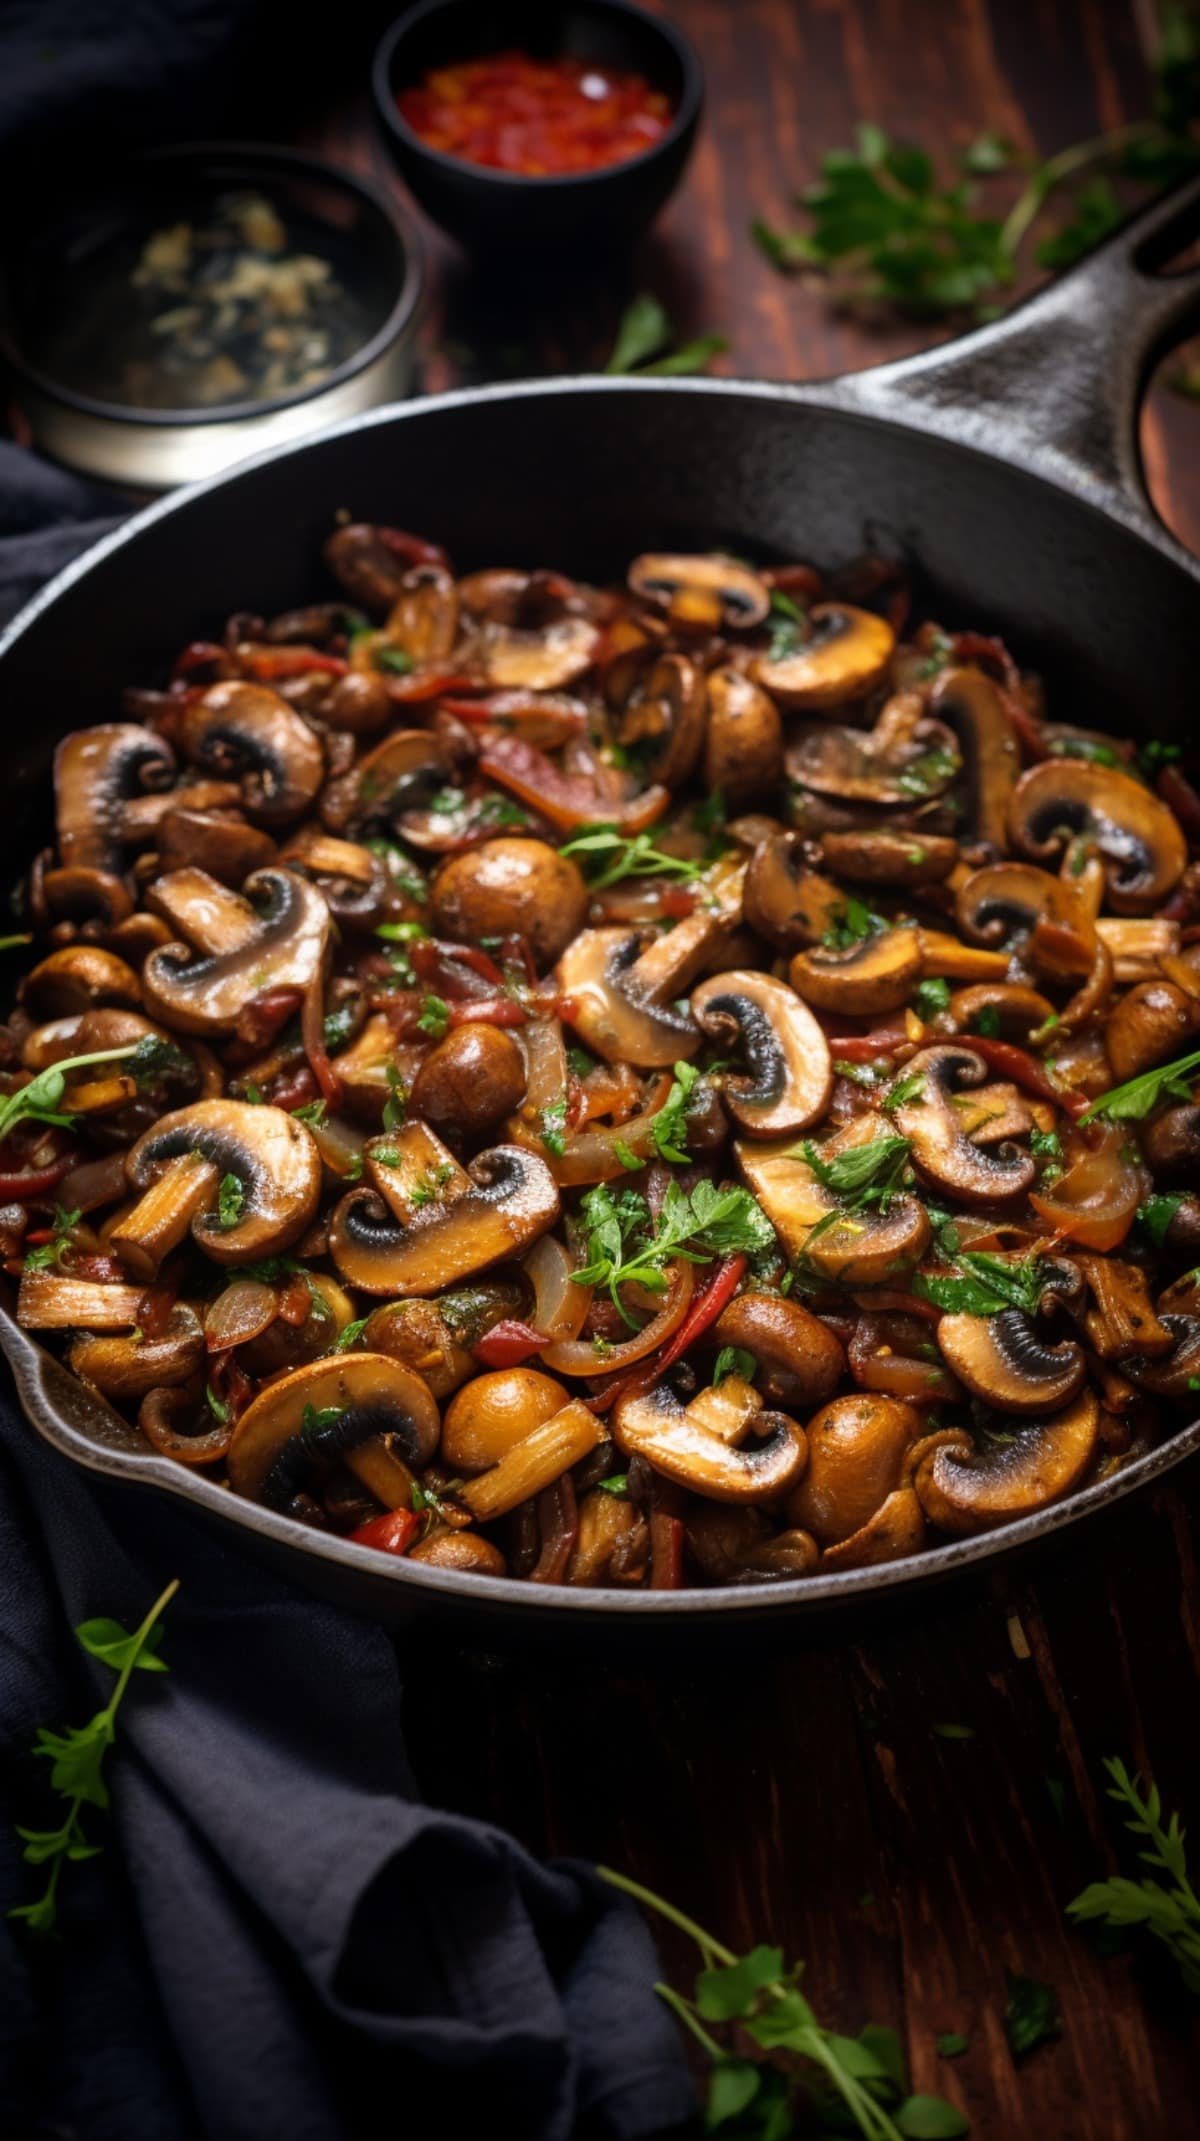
column 807, row 1796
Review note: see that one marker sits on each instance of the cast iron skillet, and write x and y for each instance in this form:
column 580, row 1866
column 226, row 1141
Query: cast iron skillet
column 1004, row 469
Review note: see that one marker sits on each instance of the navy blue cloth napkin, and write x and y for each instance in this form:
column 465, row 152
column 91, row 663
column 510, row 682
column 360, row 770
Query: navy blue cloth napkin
column 280, row 1941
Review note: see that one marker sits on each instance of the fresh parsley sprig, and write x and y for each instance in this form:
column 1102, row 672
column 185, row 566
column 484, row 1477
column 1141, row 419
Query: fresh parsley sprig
column 885, row 228
column 1134, row 1100
column 984, row 1285
column 1170, row 1911
column 608, row 856
column 855, row 2084
column 866, row 1174
column 626, row 1246
column 78, row 1755
column 40, row 1100
column 669, row 1126
column 643, row 343
column 49, row 1254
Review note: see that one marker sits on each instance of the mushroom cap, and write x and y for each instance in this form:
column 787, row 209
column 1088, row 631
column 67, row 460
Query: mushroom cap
column 128, row 1365
column 799, row 1360
column 708, row 589
column 656, row 1425
column 247, row 730
column 856, row 1451
column 96, row 771
column 1002, row 1360
column 272, row 1450
column 1005, row 899
column 743, row 748
column 791, row 1072
column 941, row 1150
column 846, row 655
column 511, row 885
column 511, row 1199
column 492, row 1413
column 273, row 1157
column 905, row 758
column 288, row 949
column 969, row 703
column 785, row 901
column 1143, row 847
column 877, row 973
column 883, row 856
column 591, row 978
column 964, row 1492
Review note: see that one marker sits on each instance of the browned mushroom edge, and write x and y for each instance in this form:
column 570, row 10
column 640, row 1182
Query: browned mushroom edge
column 597, row 1072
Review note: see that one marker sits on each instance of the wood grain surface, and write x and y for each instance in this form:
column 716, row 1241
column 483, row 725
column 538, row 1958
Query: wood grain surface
column 806, row 1796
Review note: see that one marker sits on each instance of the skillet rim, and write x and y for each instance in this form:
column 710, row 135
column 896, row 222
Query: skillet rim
column 31, row 1363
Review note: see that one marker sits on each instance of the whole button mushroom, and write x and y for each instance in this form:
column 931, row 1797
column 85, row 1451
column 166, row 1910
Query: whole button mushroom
column 511, row 886
column 470, row 1081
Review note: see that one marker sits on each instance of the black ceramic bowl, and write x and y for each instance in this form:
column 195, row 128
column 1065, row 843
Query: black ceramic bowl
column 489, row 209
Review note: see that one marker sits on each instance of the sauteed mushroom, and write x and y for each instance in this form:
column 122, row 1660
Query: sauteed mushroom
column 795, row 1005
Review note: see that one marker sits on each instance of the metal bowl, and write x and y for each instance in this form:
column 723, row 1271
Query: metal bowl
column 81, row 252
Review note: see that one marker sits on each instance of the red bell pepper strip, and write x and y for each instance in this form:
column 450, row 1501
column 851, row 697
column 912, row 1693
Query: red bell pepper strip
column 507, row 1344
column 414, row 690
column 666, row 1552
column 1027, row 1072
column 269, row 665
column 18, row 1188
column 864, row 1047
column 392, row 1533
column 568, row 800
column 414, row 549
column 716, row 1295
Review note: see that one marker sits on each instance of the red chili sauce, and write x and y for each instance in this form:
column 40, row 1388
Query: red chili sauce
column 537, row 118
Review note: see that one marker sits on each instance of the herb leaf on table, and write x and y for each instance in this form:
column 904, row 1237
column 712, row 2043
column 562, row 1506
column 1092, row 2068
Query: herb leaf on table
column 1169, row 1910
column 856, row 2085
column 78, row 1754
column 644, row 338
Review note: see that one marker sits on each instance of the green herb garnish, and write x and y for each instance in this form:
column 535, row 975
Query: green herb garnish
column 435, row 1017
column 554, row 1126
column 231, row 1202
column 1133, row 1101
column 903, row 1091
column 395, row 1107
column 78, row 1755
column 932, row 996
column 1170, row 1911
column 669, row 1127
column 39, row 1101
column 49, row 1254
column 392, row 660
column 645, row 332
column 350, row 1335
column 617, row 1484
column 856, row 2085
column 851, row 923
column 1031, row 2016
column 983, row 1285
column 733, row 1360
column 313, row 1112
column 624, row 1245
column 610, row 856
column 1157, row 1213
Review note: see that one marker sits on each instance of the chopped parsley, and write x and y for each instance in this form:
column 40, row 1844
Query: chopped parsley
column 350, row 1335
column 733, row 1360
column 427, row 1189
column 986, row 1022
column 904, row 1090
column 1133, row 1101
column 313, row 1112
column 392, row 660
column 231, row 1202
column 336, row 1028
column 625, row 1245
column 932, row 996
column 315, row 1418
column 669, row 1126
column 617, row 1484
column 435, row 1017
column 554, row 1126
column 851, row 923
column 608, row 856
column 1156, row 1215
column 395, row 1107
column 984, row 1285
column 49, row 1254
column 866, row 1174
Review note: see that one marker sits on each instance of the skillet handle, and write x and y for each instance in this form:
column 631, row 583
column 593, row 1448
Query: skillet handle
column 1056, row 385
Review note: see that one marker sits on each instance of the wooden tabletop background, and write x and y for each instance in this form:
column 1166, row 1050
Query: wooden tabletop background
column 809, row 1796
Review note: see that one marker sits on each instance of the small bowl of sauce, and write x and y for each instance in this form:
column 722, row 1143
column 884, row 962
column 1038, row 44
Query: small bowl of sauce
column 537, row 126
column 205, row 302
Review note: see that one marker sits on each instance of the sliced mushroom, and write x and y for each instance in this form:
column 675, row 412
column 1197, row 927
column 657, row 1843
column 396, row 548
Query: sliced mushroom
column 1123, row 1324
column 706, row 591
column 594, row 983
column 511, row 886
column 288, row 949
column 77, row 978
column 785, row 901
column 896, row 1530
column 544, row 660
column 970, row 704
column 96, row 772
column 163, row 1215
column 876, row 1247
column 131, row 1366
column 1066, row 799
column 941, row 1150
column 870, row 974
column 799, row 1361
column 248, row 731
column 963, row 1493
column 218, row 842
column 791, row 1073
column 275, row 1450
column 351, row 880
column 662, row 722
column 423, row 620
column 510, row 1198
column 887, row 857
column 856, row 1451
column 50, row 1301
column 271, row 1156
column 1002, row 1360
column 1174, row 1377
column 905, row 758
column 743, row 746
column 658, row 1426
column 845, row 655
column 1006, row 900
column 393, row 782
